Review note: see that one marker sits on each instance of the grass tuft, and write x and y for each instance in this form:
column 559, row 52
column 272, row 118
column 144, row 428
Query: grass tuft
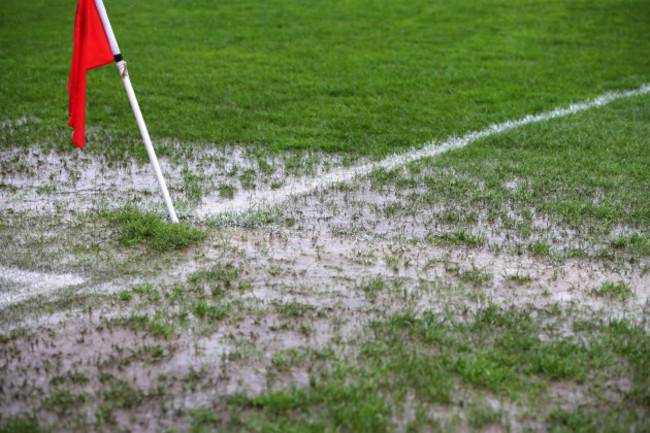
column 27, row 424
column 619, row 291
column 634, row 243
column 460, row 237
column 137, row 227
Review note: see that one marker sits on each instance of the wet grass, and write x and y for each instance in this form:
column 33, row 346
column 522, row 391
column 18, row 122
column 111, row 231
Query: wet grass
column 584, row 420
column 22, row 425
column 219, row 279
column 157, row 325
column 351, row 76
column 119, row 395
column 459, row 237
column 495, row 351
column 284, row 360
column 619, row 290
column 551, row 189
column 62, row 401
column 405, row 368
column 141, row 228
column 369, row 80
column 206, row 298
column 634, row 243
column 294, row 309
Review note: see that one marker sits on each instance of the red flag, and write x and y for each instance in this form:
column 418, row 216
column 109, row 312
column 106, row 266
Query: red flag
column 91, row 50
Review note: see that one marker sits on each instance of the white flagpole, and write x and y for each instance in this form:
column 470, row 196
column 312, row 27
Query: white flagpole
column 121, row 66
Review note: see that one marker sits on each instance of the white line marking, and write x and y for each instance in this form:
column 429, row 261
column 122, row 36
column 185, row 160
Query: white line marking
column 13, row 282
column 261, row 199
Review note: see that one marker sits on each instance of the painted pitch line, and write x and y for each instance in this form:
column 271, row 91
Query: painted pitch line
column 19, row 284
column 262, row 199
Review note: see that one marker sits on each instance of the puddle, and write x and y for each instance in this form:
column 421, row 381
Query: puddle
column 334, row 260
column 37, row 181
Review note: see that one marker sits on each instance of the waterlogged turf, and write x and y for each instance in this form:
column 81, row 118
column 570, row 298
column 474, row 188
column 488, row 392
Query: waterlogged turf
column 146, row 228
column 500, row 287
column 566, row 186
column 354, row 76
column 429, row 358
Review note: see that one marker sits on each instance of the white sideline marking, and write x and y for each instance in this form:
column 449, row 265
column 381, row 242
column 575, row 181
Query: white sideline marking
column 12, row 282
column 261, row 199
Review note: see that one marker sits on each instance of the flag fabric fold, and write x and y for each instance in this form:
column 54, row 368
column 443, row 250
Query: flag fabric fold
column 91, row 50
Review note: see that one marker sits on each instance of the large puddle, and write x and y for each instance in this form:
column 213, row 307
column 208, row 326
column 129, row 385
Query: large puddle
column 325, row 265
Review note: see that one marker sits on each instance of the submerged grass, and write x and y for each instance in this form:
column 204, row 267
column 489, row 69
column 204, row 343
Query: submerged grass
column 548, row 188
column 498, row 351
column 619, row 291
column 206, row 297
column 367, row 78
column 22, row 425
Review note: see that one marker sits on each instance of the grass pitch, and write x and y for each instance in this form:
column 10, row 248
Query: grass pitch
column 353, row 76
column 501, row 287
column 401, row 302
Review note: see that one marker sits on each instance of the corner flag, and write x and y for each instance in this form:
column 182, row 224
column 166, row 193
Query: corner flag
column 91, row 50
column 95, row 45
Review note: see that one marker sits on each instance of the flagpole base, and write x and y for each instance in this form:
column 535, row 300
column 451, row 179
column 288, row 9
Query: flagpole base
column 124, row 73
column 121, row 66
